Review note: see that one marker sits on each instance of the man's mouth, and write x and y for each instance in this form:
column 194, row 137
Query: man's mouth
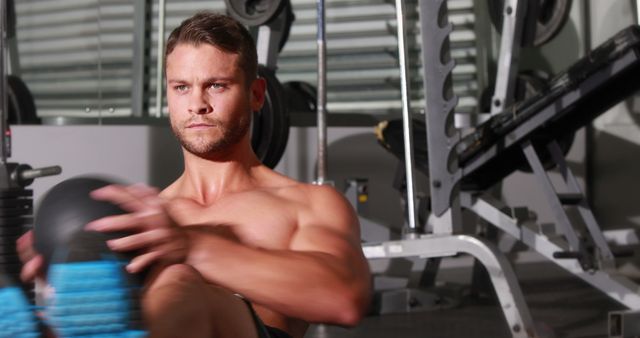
column 200, row 125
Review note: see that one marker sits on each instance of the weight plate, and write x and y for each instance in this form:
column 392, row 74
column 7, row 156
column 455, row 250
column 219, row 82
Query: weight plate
column 301, row 97
column 9, row 259
column 21, row 106
column 16, row 202
column 270, row 127
column 550, row 17
column 11, row 231
column 15, row 221
column 254, row 12
column 289, row 19
column 15, row 192
column 13, row 212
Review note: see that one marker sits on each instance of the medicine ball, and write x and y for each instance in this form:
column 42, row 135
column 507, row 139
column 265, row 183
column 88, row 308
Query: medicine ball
column 64, row 211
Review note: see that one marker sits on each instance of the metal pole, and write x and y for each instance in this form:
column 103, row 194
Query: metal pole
column 3, row 83
column 322, row 96
column 160, row 64
column 512, row 23
column 406, row 118
column 141, row 23
column 637, row 3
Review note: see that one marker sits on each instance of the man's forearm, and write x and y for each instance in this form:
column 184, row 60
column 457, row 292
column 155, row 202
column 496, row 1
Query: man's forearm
column 313, row 286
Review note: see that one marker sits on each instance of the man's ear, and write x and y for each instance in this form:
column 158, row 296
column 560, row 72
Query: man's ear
column 258, row 88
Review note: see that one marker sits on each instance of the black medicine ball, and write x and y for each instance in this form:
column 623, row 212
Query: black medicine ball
column 61, row 217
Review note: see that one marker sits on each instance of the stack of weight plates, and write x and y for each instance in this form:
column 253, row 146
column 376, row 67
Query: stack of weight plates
column 16, row 209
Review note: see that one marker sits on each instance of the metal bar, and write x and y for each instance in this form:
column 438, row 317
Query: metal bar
column 508, row 58
column 268, row 39
column 444, row 173
column 406, row 120
column 140, row 60
column 160, row 59
column 605, row 256
column 502, row 275
column 563, row 223
column 321, row 105
column 4, row 151
column 637, row 11
column 617, row 287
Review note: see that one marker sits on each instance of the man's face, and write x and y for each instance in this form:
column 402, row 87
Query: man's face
column 209, row 102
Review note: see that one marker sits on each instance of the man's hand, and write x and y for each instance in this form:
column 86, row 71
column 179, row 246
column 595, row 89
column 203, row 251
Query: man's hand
column 153, row 232
column 33, row 262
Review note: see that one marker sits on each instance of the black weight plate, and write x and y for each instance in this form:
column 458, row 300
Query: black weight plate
column 15, row 221
column 550, row 17
column 270, row 130
column 8, row 250
column 10, row 232
column 9, row 259
column 301, row 97
column 16, row 203
column 13, row 212
column 290, row 18
column 21, row 106
column 12, row 269
column 15, row 192
column 254, row 12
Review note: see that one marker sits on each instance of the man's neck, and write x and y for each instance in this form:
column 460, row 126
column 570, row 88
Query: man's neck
column 208, row 179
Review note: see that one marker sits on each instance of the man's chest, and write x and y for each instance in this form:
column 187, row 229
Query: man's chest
column 258, row 221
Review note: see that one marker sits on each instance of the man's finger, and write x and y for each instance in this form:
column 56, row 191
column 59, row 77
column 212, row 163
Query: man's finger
column 120, row 195
column 32, row 268
column 141, row 240
column 24, row 247
column 126, row 222
column 140, row 262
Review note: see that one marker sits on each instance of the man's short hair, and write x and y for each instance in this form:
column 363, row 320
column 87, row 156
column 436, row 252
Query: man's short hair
column 221, row 32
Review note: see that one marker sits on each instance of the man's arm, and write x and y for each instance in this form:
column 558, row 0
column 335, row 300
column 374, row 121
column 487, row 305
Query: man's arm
column 323, row 277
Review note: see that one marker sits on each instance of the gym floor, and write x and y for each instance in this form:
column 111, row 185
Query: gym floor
column 561, row 305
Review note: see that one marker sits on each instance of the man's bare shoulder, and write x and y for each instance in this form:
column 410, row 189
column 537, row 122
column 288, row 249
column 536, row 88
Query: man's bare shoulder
column 321, row 205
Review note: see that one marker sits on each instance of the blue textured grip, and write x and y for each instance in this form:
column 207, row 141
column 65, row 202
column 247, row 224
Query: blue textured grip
column 90, row 299
column 16, row 315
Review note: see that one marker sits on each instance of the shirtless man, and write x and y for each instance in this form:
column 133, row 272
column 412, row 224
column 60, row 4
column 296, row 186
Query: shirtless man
column 229, row 231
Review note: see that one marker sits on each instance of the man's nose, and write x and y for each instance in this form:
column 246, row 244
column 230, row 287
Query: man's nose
column 198, row 104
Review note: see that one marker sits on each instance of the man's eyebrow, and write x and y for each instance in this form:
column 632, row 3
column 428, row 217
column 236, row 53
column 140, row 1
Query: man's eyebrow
column 207, row 80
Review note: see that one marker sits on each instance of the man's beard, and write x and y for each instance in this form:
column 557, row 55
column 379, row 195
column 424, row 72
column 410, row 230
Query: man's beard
column 205, row 145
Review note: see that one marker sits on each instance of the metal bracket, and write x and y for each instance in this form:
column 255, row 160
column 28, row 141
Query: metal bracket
column 502, row 276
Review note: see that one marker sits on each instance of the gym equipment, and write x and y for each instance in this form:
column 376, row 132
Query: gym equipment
column 460, row 169
column 22, row 108
column 269, row 22
column 544, row 19
column 16, row 202
column 270, row 127
column 321, row 106
column 21, row 105
column 64, row 211
column 254, row 12
column 275, row 14
column 301, row 96
column 92, row 292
